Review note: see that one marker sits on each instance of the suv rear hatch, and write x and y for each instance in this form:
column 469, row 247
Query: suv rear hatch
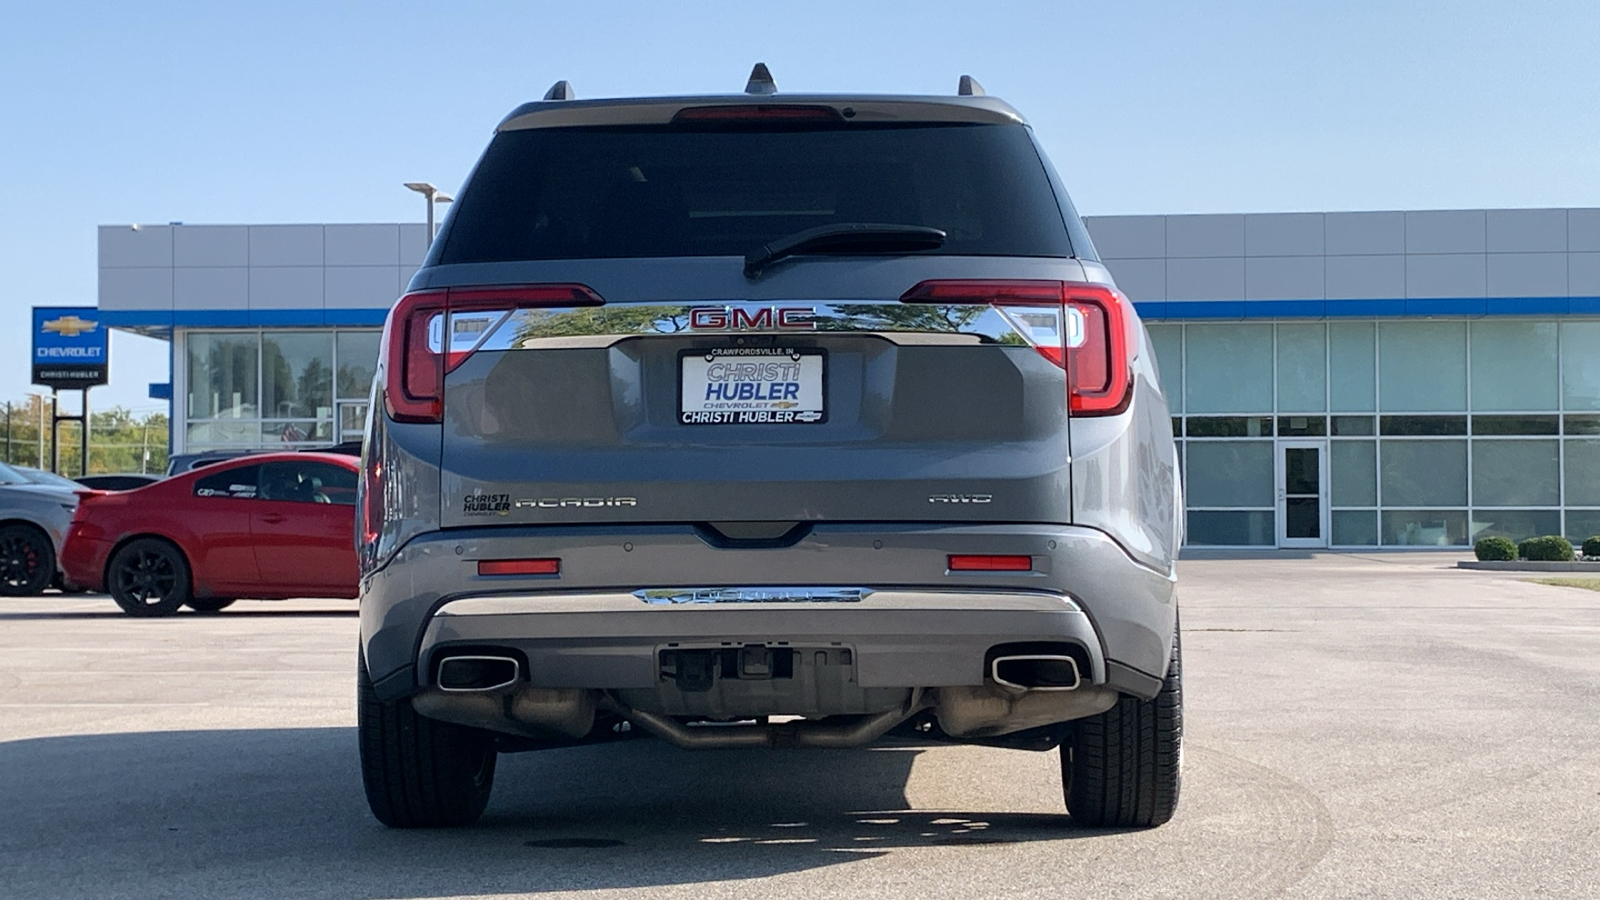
column 769, row 397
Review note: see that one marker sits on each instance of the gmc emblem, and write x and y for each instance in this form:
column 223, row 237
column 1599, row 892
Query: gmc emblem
column 767, row 318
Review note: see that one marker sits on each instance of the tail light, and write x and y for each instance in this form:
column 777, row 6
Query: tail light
column 1086, row 329
column 429, row 333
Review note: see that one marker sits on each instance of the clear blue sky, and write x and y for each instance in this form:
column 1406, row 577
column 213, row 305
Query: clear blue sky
column 316, row 112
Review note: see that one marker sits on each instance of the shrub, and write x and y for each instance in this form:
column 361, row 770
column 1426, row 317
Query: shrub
column 1495, row 548
column 1591, row 546
column 1550, row 548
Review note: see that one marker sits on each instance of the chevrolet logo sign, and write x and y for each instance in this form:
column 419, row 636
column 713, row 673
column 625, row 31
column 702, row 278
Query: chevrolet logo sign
column 70, row 326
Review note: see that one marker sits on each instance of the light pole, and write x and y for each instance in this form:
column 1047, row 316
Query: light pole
column 432, row 195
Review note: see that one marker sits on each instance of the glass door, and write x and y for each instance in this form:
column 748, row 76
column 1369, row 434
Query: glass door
column 352, row 420
column 1302, row 494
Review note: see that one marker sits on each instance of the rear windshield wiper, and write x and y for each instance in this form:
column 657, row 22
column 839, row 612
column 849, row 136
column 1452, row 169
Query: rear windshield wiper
column 845, row 237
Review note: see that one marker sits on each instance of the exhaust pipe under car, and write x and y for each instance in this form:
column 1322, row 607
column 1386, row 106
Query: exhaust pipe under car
column 1036, row 672
column 462, row 674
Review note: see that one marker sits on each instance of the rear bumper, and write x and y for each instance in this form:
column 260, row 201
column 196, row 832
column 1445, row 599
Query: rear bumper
column 898, row 639
column 919, row 627
column 83, row 562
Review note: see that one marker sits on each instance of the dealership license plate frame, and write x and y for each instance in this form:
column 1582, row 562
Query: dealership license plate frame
column 809, row 358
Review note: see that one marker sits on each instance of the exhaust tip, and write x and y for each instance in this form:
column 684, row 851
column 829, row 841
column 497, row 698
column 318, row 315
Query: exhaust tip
column 477, row 673
column 1036, row 672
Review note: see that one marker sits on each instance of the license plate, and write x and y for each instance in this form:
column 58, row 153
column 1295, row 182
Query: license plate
column 752, row 386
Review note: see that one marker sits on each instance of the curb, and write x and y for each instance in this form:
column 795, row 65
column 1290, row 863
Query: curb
column 1525, row 565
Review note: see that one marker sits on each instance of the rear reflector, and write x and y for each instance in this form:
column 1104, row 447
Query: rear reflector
column 416, row 353
column 1086, row 329
column 991, row 563
column 519, row 567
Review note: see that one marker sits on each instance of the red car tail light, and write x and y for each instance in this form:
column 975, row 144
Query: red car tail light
column 519, row 567
column 1084, row 328
column 990, row 563
column 419, row 349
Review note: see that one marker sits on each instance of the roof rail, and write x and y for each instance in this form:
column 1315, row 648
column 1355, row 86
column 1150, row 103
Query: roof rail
column 969, row 87
column 760, row 81
column 561, row 90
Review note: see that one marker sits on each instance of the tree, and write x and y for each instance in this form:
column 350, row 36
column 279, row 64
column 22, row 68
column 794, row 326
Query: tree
column 119, row 440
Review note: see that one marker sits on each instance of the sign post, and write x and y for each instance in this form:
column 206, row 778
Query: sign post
column 71, row 351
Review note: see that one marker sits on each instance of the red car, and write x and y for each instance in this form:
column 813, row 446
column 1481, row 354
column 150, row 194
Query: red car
column 268, row 526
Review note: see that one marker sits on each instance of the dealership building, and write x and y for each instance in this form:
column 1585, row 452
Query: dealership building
column 1349, row 379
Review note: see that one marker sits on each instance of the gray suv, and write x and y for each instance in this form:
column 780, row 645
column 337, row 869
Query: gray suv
column 767, row 421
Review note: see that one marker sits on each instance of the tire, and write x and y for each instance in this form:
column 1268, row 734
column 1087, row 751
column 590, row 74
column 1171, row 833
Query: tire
column 27, row 561
column 210, row 604
column 1123, row 767
column 148, row 577
column 420, row 772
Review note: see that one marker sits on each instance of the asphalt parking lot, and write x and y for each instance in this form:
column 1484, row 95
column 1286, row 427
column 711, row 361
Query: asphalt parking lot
column 1357, row 726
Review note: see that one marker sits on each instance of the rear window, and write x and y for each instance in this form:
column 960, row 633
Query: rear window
column 651, row 191
column 237, row 482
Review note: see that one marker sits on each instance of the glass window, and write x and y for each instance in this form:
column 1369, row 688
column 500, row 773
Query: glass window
column 353, row 421
column 1228, row 368
column 338, row 484
column 1580, row 364
column 1231, row 529
column 1515, row 524
column 1302, row 368
column 295, row 432
column 208, row 434
column 238, row 482
column 1513, row 365
column 1422, row 366
column 1353, row 468
column 1582, row 524
column 1230, row 426
column 297, row 374
column 1417, row 426
column 1516, row 473
column 308, row 482
column 1351, row 367
column 1355, row 527
column 222, row 375
column 1424, row 527
column 1516, row 424
column 1424, row 473
column 1353, row 426
column 1583, row 424
column 720, row 189
column 357, row 353
column 1302, row 426
column 1230, row 474
column 1583, row 473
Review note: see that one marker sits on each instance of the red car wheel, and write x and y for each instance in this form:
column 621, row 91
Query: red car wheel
column 148, row 577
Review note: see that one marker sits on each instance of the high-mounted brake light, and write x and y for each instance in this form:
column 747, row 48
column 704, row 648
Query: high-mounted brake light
column 749, row 112
column 990, row 563
column 419, row 348
column 1085, row 329
column 519, row 566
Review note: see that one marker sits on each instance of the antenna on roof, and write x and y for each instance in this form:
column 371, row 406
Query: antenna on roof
column 760, row 81
column 969, row 87
column 561, row 90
